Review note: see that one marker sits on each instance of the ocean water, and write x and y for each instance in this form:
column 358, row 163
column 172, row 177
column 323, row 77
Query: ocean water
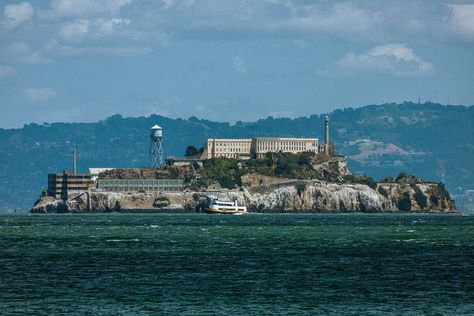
column 193, row 264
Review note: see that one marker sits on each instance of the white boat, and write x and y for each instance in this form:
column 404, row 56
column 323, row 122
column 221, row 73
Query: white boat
column 221, row 207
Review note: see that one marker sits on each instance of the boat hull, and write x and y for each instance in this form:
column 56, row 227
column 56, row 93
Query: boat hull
column 220, row 211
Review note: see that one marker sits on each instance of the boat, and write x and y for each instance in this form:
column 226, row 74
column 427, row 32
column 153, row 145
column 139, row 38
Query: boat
column 221, row 207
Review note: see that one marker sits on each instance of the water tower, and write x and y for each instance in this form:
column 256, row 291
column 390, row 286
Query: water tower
column 156, row 147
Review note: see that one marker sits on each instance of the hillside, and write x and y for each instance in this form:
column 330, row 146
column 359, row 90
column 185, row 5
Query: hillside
column 426, row 140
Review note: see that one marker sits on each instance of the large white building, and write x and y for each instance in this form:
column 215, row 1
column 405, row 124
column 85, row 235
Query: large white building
column 245, row 148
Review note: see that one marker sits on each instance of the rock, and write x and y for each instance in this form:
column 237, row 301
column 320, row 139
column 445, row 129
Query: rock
column 299, row 196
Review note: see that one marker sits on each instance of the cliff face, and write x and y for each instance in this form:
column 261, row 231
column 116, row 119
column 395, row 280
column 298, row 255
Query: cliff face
column 299, row 196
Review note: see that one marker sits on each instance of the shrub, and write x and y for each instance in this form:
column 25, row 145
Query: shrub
column 300, row 188
column 404, row 202
column 439, row 193
column 223, row 170
column 382, row 191
column 191, row 151
column 420, row 198
column 369, row 181
column 402, row 175
column 161, row 201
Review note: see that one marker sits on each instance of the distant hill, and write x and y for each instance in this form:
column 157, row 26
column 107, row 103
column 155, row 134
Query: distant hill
column 427, row 140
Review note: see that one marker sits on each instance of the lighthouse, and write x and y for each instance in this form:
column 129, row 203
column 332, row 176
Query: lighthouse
column 326, row 135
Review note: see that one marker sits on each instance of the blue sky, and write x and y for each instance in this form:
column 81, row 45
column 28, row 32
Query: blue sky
column 228, row 60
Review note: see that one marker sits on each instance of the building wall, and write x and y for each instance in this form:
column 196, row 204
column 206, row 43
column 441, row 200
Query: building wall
column 289, row 145
column 120, row 185
column 61, row 184
column 245, row 148
column 230, row 148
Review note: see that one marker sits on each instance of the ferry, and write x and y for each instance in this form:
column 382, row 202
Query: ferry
column 220, row 207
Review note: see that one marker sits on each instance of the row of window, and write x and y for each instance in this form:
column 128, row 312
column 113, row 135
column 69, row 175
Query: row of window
column 140, row 182
column 144, row 188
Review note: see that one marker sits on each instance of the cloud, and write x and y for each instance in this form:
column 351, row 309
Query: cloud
column 39, row 94
column 239, row 65
column 79, row 29
column 21, row 52
column 60, row 9
column 56, row 49
column 390, row 59
column 18, row 13
column 344, row 18
column 6, row 71
column 462, row 20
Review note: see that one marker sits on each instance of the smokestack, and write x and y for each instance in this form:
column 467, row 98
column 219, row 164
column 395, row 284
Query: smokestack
column 75, row 165
column 326, row 135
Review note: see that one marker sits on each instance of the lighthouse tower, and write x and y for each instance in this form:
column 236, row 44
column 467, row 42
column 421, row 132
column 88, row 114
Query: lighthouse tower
column 156, row 146
column 326, row 135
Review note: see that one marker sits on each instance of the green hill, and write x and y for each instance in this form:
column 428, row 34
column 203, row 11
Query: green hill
column 427, row 140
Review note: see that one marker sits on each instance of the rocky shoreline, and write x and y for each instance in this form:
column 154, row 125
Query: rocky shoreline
column 299, row 196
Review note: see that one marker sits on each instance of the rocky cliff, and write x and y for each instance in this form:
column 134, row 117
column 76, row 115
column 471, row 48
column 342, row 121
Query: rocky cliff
column 296, row 196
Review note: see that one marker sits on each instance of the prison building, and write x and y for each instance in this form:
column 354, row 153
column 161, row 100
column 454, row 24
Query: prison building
column 121, row 185
column 239, row 148
column 258, row 147
column 261, row 146
column 61, row 185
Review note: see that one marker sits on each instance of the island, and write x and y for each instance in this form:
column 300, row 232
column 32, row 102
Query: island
column 278, row 182
column 263, row 174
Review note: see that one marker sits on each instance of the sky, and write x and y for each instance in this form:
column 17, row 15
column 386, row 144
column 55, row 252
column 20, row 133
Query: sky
column 228, row 60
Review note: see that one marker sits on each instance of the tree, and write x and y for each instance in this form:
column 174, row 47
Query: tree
column 420, row 198
column 191, row 151
column 404, row 202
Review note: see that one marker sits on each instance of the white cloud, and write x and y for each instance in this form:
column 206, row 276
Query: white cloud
column 79, row 29
column 339, row 18
column 6, row 71
column 74, row 30
column 462, row 20
column 21, row 52
column 60, row 9
column 239, row 65
column 18, row 13
column 39, row 94
column 392, row 59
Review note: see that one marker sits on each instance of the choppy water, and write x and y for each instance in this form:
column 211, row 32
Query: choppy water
column 256, row 264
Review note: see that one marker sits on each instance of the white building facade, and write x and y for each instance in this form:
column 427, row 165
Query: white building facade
column 246, row 148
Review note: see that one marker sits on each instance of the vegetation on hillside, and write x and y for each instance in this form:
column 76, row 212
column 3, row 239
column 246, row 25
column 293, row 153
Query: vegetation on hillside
column 227, row 171
column 361, row 179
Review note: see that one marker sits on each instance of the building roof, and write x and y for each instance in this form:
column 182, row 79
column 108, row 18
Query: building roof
column 96, row 171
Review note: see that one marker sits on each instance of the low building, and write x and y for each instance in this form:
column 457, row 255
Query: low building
column 183, row 161
column 245, row 148
column 95, row 172
column 140, row 185
column 62, row 185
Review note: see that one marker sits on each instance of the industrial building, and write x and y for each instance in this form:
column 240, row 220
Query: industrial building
column 61, row 185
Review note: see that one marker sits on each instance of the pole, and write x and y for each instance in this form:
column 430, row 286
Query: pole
column 75, row 162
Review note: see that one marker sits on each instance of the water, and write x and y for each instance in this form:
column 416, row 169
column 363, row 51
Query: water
column 257, row 264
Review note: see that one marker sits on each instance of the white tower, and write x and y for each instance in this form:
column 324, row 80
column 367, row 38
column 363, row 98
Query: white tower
column 326, row 135
column 156, row 146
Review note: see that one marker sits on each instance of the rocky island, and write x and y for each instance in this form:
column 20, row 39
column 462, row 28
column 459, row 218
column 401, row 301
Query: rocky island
column 278, row 182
